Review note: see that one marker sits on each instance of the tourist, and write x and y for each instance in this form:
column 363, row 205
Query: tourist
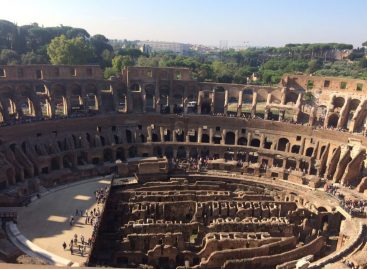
column 64, row 245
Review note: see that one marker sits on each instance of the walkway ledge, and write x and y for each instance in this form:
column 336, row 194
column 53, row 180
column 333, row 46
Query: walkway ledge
column 33, row 250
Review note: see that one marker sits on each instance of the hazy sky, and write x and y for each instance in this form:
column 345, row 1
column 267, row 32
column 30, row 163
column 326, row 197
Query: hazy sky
column 258, row 22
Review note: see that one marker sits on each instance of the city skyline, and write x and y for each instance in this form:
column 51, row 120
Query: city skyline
column 239, row 23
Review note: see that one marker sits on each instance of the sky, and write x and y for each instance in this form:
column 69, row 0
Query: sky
column 207, row 22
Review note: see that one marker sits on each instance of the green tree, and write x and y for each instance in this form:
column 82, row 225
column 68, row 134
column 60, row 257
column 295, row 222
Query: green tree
column 119, row 62
column 62, row 50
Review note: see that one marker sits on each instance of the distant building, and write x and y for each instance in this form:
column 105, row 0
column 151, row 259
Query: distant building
column 156, row 46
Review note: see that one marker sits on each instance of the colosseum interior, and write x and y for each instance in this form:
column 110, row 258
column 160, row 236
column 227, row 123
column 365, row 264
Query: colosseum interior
column 220, row 175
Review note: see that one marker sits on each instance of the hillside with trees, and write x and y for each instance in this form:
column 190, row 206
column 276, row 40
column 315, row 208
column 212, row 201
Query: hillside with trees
column 34, row 44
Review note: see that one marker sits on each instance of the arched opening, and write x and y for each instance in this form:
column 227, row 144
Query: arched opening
column 230, row 138
column 181, row 153
column 59, row 100
column 157, row 151
column 142, row 138
column 204, row 153
column 291, row 98
column 45, row 106
column 76, row 99
column 267, row 143
column 193, row 153
column 232, row 104
column 168, row 152
column 180, row 135
column 219, row 96
column 150, row 98
column 247, row 99
column 27, row 108
column 282, row 144
column 333, row 120
column 242, row 141
column 205, row 138
column 10, row 107
column 178, row 102
column 261, row 98
column 135, row 87
column 206, row 107
column 164, row 99
column 108, row 155
column 55, row 164
column 255, row 143
column 217, row 138
column 309, row 151
column 193, row 136
column 155, row 137
column 167, row 135
column 338, row 103
column 291, row 164
column 132, row 152
column 295, row 149
column 67, row 162
column 122, row 100
column 129, row 136
column 120, row 154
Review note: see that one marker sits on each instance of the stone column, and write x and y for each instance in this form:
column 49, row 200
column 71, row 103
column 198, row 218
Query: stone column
column 236, row 137
column 249, row 137
column 211, row 135
column 223, row 140
column 239, row 106
column 254, row 102
column 149, row 131
column 161, row 131
column 157, row 97
column 225, row 102
column 199, row 102
column 200, row 134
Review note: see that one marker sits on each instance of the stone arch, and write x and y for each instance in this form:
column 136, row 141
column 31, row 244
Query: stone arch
column 282, row 144
column 255, row 142
column 219, row 99
column 58, row 95
column 108, row 155
column 135, row 87
column 149, row 97
column 178, row 103
column 242, row 141
column 309, row 151
column 206, row 107
column 295, row 149
column 168, row 152
column 181, row 153
column 205, row 138
column 129, row 136
column 230, row 138
column 157, row 151
column 120, row 154
column 155, row 137
column 180, row 135
column 291, row 98
column 333, row 120
column 167, row 135
column 164, row 91
column 132, row 152
column 338, row 102
column 91, row 98
column 76, row 98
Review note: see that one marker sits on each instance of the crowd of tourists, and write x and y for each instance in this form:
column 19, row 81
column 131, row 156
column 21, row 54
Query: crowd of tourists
column 78, row 244
column 355, row 207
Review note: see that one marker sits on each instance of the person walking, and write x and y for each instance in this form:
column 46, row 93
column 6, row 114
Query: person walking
column 64, row 245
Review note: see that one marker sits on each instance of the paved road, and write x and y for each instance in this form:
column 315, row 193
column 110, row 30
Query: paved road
column 45, row 222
